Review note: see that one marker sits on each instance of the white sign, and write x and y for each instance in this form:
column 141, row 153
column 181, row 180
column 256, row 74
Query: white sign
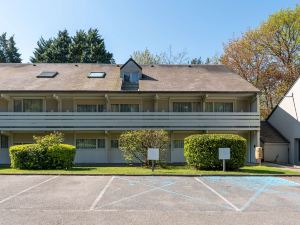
column 153, row 154
column 224, row 153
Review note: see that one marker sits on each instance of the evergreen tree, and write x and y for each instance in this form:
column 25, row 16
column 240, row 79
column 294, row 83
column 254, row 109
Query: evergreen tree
column 84, row 47
column 8, row 50
column 40, row 52
column 13, row 56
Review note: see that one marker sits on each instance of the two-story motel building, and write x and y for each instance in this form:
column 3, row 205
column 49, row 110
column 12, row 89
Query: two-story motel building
column 92, row 104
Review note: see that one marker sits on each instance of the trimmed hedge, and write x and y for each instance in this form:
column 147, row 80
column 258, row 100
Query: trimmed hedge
column 201, row 151
column 34, row 156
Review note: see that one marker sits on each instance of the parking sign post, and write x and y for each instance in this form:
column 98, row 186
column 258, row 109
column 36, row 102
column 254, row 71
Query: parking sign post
column 153, row 154
column 224, row 153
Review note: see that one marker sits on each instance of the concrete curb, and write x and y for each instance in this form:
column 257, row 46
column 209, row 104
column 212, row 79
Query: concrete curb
column 155, row 175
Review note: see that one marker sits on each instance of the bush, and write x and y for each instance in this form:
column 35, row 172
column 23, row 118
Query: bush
column 201, row 151
column 47, row 153
column 134, row 144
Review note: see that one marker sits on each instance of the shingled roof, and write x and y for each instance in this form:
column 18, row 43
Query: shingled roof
column 269, row 134
column 156, row 78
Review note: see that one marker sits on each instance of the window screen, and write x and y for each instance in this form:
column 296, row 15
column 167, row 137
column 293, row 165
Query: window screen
column 182, row 107
column 115, row 143
column 18, row 106
column 86, row 144
column 4, row 141
column 178, row 143
column 223, row 107
column 101, row 143
column 209, row 107
column 32, row 105
column 129, row 107
column 86, row 108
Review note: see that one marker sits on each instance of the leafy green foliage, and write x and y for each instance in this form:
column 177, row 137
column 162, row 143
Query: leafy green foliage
column 8, row 50
column 52, row 139
column 135, row 144
column 201, row 151
column 47, row 153
column 268, row 56
column 84, row 47
column 145, row 57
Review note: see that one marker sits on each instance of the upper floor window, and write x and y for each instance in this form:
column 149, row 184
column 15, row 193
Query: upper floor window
column 28, row 105
column 90, row 108
column 182, row 107
column 131, row 77
column 218, row 107
column 125, row 107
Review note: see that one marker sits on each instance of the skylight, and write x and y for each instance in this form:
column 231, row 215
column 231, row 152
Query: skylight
column 47, row 74
column 96, row 75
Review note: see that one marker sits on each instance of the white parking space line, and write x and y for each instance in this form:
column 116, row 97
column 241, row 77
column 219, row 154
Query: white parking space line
column 27, row 189
column 101, row 193
column 219, row 195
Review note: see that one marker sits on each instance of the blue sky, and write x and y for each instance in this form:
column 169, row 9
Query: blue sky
column 197, row 26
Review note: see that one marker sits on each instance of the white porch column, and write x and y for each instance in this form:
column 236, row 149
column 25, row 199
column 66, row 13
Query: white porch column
column 107, row 103
column 171, row 146
column 59, row 102
column 156, row 98
column 107, row 146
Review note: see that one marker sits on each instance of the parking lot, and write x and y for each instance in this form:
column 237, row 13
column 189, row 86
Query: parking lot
column 149, row 200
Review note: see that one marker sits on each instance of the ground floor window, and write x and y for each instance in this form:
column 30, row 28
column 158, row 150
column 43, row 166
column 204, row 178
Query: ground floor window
column 4, row 141
column 86, row 144
column 299, row 150
column 114, row 143
column 101, row 143
column 178, row 143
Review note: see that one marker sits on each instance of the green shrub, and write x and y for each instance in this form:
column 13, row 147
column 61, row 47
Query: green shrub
column 61, row 156
column 201, row 151
column 47, row 153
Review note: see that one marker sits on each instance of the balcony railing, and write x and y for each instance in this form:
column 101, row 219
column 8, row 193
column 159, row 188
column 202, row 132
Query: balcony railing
column 11, row 121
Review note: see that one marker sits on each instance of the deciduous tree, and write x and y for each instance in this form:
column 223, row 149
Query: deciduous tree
column 268, row 56
column 135, row 144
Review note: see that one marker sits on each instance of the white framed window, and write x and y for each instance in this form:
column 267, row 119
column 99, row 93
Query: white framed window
column 182, row 107
column 101, row 143
column 125, row 108
column 86, row 143
column 218, row 106
column 4, row 141
column 28, row 105
column 90, row 107
column 178, row 143
column 131, row 77
column 114, row 143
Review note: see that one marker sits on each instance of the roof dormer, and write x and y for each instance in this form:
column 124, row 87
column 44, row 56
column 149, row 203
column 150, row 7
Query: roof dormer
column 131, row 73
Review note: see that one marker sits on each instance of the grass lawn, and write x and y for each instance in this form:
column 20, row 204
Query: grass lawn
column 131, row 170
